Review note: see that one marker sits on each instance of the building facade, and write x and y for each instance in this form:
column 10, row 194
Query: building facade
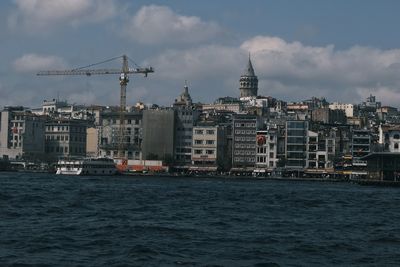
column 21, row 134
column 244, row 141
column 266, row 154
column 158, row 134
column 360, row 143
column 209, row 147
column 296, row 144
column 113, row 138
column 65, row 138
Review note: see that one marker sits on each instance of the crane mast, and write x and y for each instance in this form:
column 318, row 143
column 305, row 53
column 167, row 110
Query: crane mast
column 123, row 81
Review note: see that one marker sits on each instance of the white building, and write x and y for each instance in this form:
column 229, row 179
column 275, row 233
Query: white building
column 266, row 154
column 208, row 147
column 347, row 108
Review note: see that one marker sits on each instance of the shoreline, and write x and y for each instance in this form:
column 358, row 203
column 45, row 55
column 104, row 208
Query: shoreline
column 362, row 182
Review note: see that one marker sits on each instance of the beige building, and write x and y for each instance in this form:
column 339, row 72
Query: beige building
column 92, row 142
column 208, row 147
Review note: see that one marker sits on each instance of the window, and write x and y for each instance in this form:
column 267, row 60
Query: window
column 209, row 152
column 396, row 136
column 396, row 146
column 198, row 131
column 210, row 142
column 198, row 142
column 197, row 151
column 210, row 131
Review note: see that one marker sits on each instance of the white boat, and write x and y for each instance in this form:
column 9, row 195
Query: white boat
column 87, row 166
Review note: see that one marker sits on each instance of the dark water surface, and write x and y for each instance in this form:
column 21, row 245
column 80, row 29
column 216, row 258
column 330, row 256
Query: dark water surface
column 48, row 220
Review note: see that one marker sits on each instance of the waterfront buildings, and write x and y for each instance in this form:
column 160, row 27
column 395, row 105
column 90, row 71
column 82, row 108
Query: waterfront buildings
column 245, row 134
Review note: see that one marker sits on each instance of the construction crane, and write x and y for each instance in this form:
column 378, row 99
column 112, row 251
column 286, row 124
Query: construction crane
column 123, row 81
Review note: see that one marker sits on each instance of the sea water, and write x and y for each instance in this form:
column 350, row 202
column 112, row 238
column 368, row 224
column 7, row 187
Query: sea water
column 49, row 220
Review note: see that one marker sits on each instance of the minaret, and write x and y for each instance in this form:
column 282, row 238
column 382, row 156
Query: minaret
column 248, row 82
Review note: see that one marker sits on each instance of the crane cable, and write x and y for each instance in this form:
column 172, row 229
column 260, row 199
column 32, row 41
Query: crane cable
column 134, row 63
column 98, row 63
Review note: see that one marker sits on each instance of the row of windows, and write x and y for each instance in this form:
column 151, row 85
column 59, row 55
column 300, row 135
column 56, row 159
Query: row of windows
column 241, row 124
column 244, row 152
column 207, row 142
column 128, row 121
column 297, row 125
column 264, row 160
column 16, row 124
column 65, row 138
column 60, row 149
column 183, row 112
column 16, row 144
column 245, row 132
column 245, row 146
column 202, row 131
column 130, row 154
column 78, row 129
column 249, row 139
column 184, row 144
column 182, row 129
column 246, row 84
column 183, row 150
column 244, row 159
column 202, row 152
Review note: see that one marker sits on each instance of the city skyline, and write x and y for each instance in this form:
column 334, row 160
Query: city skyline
column 342, row 51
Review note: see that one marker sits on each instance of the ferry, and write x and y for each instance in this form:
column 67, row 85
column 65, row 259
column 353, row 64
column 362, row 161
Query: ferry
column 87, row 166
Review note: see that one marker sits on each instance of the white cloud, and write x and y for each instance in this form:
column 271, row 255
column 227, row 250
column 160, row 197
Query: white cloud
column 43, row 15
column 159, row 24
column 35, row 62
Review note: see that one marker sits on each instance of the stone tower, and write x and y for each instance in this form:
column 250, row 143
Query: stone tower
column 248, row 82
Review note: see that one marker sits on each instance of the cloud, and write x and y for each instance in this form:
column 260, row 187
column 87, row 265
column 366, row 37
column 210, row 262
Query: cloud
column 35, row 62
column 286, row 70
column 159, row 25
column 38, row 16
column 306, row 71
column 289, row 71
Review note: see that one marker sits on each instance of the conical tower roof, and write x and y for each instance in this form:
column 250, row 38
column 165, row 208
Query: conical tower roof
column 249, row 71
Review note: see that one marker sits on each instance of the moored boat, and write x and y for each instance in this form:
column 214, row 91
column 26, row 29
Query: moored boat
column 86, row 166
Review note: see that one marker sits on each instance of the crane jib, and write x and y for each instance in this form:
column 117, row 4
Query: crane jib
column 94, row 72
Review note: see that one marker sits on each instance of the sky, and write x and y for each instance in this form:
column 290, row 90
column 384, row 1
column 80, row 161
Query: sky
column 342, row 50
